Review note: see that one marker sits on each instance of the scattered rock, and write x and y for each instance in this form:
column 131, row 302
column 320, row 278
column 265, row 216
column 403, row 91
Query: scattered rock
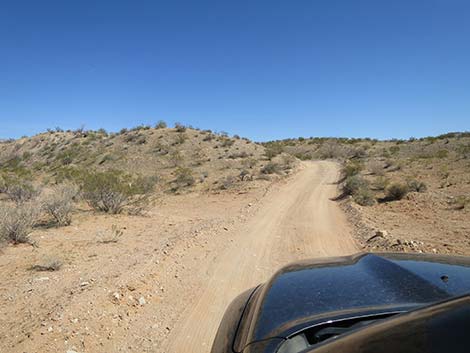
column 42, row 279
column 142, row 301
column 116, row 296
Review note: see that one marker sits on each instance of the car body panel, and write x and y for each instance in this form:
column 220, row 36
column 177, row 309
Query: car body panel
column 309, row 293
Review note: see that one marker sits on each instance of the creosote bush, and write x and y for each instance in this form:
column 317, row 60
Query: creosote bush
column 273, row 149
column 417, row 186
column 396, row 191
column 271, row 168
column 59, row 203
column 16, row 223
column 161, row 125
column 180, row 127
column 20, row 191
column 351, row 168
column 376, row 168
column 111, row 191
column 364, row 197
column 353, row 184
column 184, row 177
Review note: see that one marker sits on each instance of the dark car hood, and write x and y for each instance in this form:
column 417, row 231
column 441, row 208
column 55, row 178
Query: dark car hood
column 310, row 292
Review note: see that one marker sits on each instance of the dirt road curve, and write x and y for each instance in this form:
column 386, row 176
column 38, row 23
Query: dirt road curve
column 295, row 221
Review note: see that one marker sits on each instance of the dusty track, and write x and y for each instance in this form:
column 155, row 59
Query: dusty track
column 295, row 221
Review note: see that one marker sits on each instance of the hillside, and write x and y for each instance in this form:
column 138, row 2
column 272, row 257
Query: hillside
column 430, row 212
column 172, row 157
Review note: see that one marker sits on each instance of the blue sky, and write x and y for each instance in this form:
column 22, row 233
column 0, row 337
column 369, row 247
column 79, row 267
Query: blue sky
column 261, row 69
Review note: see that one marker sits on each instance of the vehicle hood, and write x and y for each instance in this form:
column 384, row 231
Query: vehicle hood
column 310, row 292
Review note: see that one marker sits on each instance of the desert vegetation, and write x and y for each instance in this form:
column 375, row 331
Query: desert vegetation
column 409, row 189
column 51, row 177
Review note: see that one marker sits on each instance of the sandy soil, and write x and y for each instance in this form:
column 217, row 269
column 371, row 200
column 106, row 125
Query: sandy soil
column 164, row 285
column 296, row 221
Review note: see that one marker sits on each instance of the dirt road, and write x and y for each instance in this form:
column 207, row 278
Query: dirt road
column 296, row 220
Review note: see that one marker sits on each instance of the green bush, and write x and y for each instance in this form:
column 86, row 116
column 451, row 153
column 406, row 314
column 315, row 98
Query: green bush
column 226, row 142
column 272, row 150
column 380, row 183
column 111, row 191
column 184, row 177
column 376, row 168
column 442, row 154
column 180, row 127
column 161, row 125
column 417, row 186
column 364, row 197
column 396, row 191
column 460, row 202
column 351, row 168
column 353, row 184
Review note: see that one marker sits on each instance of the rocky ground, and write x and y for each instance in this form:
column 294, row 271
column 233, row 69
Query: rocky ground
column 113, row 293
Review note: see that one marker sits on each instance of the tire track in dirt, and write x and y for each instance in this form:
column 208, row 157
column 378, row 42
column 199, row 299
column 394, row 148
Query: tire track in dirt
column 296, row 221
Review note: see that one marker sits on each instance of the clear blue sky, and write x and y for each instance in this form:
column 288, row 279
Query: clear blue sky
column 261, row 69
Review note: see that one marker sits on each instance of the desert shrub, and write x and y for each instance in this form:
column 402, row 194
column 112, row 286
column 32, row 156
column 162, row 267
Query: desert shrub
column 287, row 161
column 442, row 154
column 20, row 191
column 417, row 186
column 180, row 127
column 111, row 236
column 102, row 131
column 364, row 197
column 273, row 149
column 111, row 191
column 132, row 137
column 249, row 163
column 460, row 202
column 380, row 183
column 228, row 182
column 175, row 158
column 180, row 138
column 464, row 151
column 356, row 152
column 375, row 168
column 226, row 142
column 16, row 223
column 236, row 155
column 47, row 265
column 351, row 168
column 357, row 187
column 208, row 137
column 161, row 125
column 353, row 184
column 59, row 203
column 331, row 149
column 184, row 177
column 140, row 127
column 271, row 168
column 396, row 191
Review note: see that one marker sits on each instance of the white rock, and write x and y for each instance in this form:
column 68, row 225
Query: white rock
column 142, row 301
